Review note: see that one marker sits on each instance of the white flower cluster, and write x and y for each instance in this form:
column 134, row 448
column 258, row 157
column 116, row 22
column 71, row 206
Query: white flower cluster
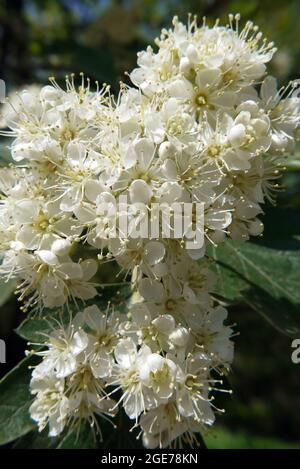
column 156, row 368
column 205, row 124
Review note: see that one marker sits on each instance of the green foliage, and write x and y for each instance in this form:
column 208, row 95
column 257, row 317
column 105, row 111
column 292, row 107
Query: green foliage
column 84, row 439
column 6, row 290
column 15, row 401
column 221, row 438
column 267, row 279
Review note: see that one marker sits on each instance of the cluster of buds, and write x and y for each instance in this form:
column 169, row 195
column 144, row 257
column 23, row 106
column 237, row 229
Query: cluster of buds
column 205, row 128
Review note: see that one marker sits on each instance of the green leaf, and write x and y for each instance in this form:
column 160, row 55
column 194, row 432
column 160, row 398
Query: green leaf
column 15, row 420
column 222, row 438
column 95, row 62
column 70, row 439
column 85, row 439
column 292, row 165
column 5, row 157
column 267, row 279
column 36, row 440
column 6, row 290
column 35, row 326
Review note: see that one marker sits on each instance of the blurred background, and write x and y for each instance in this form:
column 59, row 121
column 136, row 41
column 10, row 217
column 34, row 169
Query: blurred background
column 43, row 38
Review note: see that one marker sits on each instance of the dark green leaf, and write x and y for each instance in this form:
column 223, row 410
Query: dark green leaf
column 83, row 439
column 6, row 290
column 265, row 278
column 36, row 440
column 15, row 401
column 222, row 438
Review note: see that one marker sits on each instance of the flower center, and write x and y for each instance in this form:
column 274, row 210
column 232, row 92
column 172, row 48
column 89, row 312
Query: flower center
column 201, row 99
column 214, row 150
column 170, row 304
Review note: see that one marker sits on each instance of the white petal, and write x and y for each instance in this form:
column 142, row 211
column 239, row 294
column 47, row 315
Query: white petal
column 208, row 77
column 85, row 214
column 182, row 89
column 180, row 336
column 151, row 290
column 216, row 319
column 154, row 252
column 101, row 365
column 47, row 257
column 164, row 323
column 268, row 89
column 85, row 292
column 169, row 167
column 125, row 352
column 89, row 269
column 79, row 342
column 192, row 54
column 94, row 318
column 140, row 314
column 26, row 211
column 140, row 191
column 144, row 149
column 29, row 238
column 93, row 188
column 61, row 247
column 71, row 270
column 76, row 152
column 237, row 135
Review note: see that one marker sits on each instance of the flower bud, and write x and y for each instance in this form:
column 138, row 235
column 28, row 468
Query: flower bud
column 179, row 336
column 166, row 150
column 192, row 53
column 61, row 247
column 185, row 65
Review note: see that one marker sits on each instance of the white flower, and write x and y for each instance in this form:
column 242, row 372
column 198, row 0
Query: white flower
column 244, row 221
column 88, row 399
column 193, row 391
column 40, row 223
column 126, row 374
column 164, row 426
column 238, row 55
column 197, row 280
column 100, row 218
column 50, row 405
column 64, row 347
column 103, row 339
column 138, row 256
column 195, row 131
column 170, row 122
column 54, row 281
column 140, row 171
column 283, row 107
column 79, row 173
column 207, row 91
column 159, row 332
column 158, row 374
column 10, row 110
column 211, row 336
